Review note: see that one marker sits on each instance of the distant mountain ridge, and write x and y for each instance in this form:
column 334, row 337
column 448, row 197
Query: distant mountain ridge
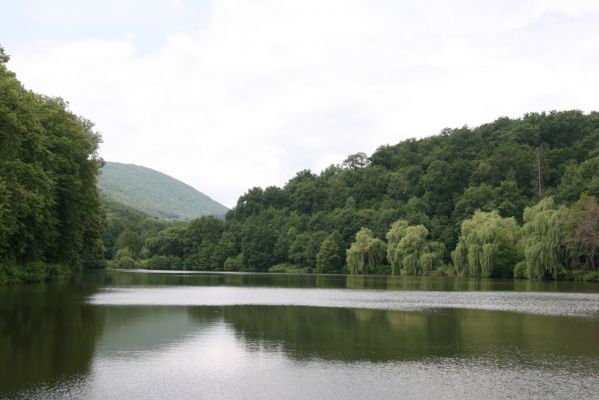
column 155, row 193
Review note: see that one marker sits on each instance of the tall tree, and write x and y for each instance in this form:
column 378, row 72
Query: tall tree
column 331, row 256
column 542, row 233
column 583, row 242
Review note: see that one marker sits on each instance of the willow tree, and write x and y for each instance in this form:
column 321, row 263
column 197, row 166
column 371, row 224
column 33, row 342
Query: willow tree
column 409, row 248
column 487, row 245
column 365, row 253
column 394, row 236
column 542, row 233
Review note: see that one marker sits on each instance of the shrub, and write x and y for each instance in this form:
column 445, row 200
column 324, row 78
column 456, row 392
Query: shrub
column 125, row 262
column 230, row 264
column 446, row 270
column 591, row 277
column 161, row 262
column 32, row 272
column 288, row 268
column 126, row 252
column 521, row 270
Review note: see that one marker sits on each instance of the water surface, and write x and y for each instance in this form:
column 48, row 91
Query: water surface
column 230, row 336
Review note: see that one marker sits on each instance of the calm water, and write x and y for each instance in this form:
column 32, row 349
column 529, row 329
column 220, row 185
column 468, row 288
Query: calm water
column 144, row 335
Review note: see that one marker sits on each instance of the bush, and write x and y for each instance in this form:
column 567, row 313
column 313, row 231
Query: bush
column 562, row 273
column 591, row 277
column 126, row 252
column 381, row 269
column 521, row 270
column 234, row 263
column 446, row 271
column 162, row 262
column 288, row 268
column 230, row 264
column 125, row 262
column 33, row 272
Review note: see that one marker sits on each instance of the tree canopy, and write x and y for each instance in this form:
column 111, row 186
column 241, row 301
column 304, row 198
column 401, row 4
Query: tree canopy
column 49, row 209
column 487, row 246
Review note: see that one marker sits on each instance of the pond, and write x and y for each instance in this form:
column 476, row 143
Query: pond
column 136, row 334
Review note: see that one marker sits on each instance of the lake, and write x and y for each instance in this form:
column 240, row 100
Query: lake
column 135, row 334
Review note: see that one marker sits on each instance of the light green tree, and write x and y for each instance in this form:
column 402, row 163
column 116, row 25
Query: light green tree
column 365, row 253
column 487, row 245
column 409, row 248
column 542, row 233
column 394, row 236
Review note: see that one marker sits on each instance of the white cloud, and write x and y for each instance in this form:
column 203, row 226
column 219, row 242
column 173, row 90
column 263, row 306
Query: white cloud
column 261, row 90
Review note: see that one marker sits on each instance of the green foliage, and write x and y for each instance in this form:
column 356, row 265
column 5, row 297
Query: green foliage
column 155, row 193
column 542, row 233
column 410, row 249
column 128, row 240
column 32, row 272
column 257, row 245
column 305, row 248
column 234, row 263
column 365, row 253
column 162, row 263
column 521, row 270
column 49, row 208
column 582, row 227
column 394, row 236
column 288, row 268
column 591, row 277
column 487, row 246
column 125, row 262
column 331, row 256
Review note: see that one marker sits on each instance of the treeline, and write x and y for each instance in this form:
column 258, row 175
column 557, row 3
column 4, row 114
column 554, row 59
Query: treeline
column 50, row 216
column 513, row 197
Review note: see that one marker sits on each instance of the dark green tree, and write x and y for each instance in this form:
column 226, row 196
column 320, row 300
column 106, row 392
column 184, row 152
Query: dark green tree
column 331, row 256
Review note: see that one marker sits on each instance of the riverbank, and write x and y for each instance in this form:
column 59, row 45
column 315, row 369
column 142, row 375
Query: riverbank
column 572, row 276
column 35, row 272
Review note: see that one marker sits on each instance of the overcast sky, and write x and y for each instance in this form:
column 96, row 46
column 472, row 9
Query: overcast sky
column 226, row 95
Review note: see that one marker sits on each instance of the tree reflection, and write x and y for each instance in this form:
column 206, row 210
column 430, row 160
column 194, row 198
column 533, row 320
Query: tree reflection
column 378, row 336
column 46, row 331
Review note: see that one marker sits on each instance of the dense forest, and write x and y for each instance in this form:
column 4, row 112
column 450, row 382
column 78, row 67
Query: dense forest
column 512, row 198
column 51, row 219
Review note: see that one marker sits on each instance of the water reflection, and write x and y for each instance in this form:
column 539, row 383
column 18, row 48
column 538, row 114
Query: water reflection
column 46, row 331
column 148, row 329
column 351, row 335
column 55, row 344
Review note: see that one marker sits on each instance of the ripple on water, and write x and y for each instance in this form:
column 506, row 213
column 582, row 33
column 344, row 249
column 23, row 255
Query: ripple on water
column 542, row 303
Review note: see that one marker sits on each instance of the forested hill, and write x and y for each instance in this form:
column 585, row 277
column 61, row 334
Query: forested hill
column 515, row 172
column 155, row 193
column 437, row 182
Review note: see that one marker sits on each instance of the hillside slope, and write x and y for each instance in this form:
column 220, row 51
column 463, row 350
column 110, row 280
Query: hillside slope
column 155, row 193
